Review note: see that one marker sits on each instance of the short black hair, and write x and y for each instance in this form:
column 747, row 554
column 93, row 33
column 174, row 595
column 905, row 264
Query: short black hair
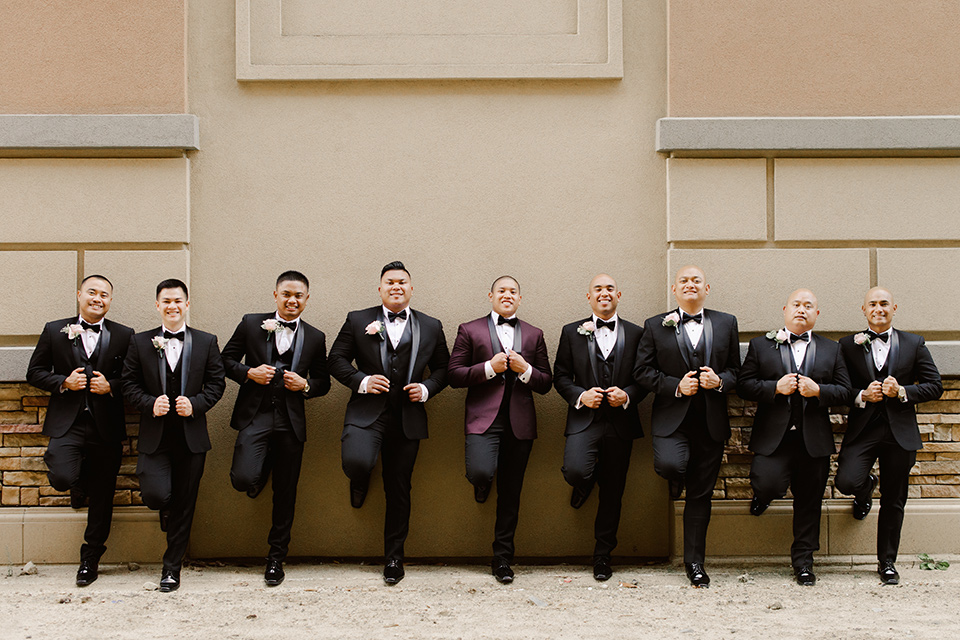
column 492, row 286
column 396, row 265
column 293, row 276
column 98, row 277
column 173, row 283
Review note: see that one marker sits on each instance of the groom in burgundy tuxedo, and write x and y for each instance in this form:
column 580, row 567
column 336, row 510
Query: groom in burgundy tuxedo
column 501, row 360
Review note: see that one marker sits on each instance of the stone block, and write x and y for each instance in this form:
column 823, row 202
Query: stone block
column 33, row 464
column 21, row 428
column 10, row 464
column 948, row 479
column 939, row 468
column 942, row 432
column 50, row 491
column 939, row 447
column 29, row 497
column 36, row 401
column 867, row 199
column 915, row 277
column 10, row 405
column 24, row 440
column 716, row 199
column 10, row 392
column 9, row 452
column 121, row 498
column 33, row 451
column 24, row 478
column 913, row 492
column 54, row 501
column 18, row 417
column 734, row 471
column 128, row 482
column 10, row 496
column 947, row 455
column 940, row 491
column 53, row 272
column 926, row 456
column 754, row 284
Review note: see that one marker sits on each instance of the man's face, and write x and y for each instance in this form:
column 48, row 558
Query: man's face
column 94, row 299
column 291, row 298
column 172, row 305
column 505, row 297
column 801, row 311
column 395, row 289
column 603, row 296
column 879, row 309
column 690, row 288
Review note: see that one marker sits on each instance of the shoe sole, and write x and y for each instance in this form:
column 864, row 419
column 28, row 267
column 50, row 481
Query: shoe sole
column 168, row 589
column 273, row 583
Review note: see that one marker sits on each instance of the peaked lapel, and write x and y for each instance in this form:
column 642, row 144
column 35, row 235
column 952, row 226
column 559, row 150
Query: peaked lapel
column 185, row 360
column 495, row 345
column 618, row 350
column 707, row 338
column 415, row 338
column 679, row 334
column 78, row 353
column 894, row 352
column 162, row 364
column 592, row 356
column 871, row 365
column 297, row 346
column 518, row 338
column 810, row 357
column 383, row 341
column 104, row 345
column 785, row 355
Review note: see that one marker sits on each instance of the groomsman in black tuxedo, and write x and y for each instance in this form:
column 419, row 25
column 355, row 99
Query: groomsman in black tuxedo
column 502, row 360
column 891, row 372
column 381, row 354
column 279, row 361
column 594, row 374
column 689, row 358
column 795, row 376
column 173, row 375
column 79, row 361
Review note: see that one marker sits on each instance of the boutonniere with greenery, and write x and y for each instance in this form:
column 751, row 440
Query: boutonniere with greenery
column 863, row 340
column 73, row 331
column 375, row 328
column 587, row 329
column 160, row 343
column 672, row 319
column 779, row 337
column 271, row 326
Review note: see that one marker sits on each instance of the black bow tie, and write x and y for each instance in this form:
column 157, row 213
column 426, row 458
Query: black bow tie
column 878, row 336
column 391, row 316
column 610, row 324
column 687, row 318
column 170, row 336
column 510, row 321
column 93, row 327
column 292, row 325
column 803, row 337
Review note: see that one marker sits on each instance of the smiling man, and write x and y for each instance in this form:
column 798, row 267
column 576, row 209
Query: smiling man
column 382, row 355
column 279, row 360
column 795, row 376
column 173, row 375
column 501, row 360
column 79, row 361
column 891, row 371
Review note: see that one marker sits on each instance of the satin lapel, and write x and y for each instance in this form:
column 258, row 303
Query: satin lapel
column 78, row 352
column 161, row 366
column 618, row 350
column 871, row 365
column 592, row 356
column 185, row 361
column 894, row 352
column 267, row 346
column 518, row 339
column 785, row 355
column 297, row 347
column 383, row 341
column 681, row 344
column 495, row 345
column 810, row 357
column 707, row 337
column 104, row 345
column 415, row 347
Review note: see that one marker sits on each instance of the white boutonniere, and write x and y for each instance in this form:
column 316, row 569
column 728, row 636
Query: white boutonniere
column 73, row 331
column 271, row 326
column 863, row 340
column 375, row 328
column 587, row 329
column 779, row 336
column 160, row 343
column 672, row 319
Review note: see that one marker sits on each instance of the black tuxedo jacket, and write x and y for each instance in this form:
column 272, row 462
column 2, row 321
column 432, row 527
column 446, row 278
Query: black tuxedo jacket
column 575, row 371
column 56, row 356
column 908, row 361
column 369, row 353
column 765, row 364
column 251, row 346
column 144, row 380
column 662, row 361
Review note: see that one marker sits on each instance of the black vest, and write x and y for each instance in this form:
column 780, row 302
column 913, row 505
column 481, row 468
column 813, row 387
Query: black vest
column 880, row 415
column 605, row 375
column 398, row 363
column 172, row 422
column 89, row 364
column 275, row 398
column 796, row 400
column 698, row 358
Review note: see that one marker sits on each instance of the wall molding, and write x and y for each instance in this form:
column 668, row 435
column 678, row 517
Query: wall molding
column 46, row 133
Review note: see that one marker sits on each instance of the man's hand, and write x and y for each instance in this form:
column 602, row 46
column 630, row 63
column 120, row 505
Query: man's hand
column 161, row 406
column 76, row 381
column 184, row 407
column 873, row 393
column 787, row 384
column 414, row 391
column 378, row 384
column 592, row 398
column 99, row 384
column 891, row 387
column 708, row 378
column 293, row 381
column 807, row 387
column 615, row 396
column 262, row 374
column 689, row 383
column 499, row 362
column 517, row 363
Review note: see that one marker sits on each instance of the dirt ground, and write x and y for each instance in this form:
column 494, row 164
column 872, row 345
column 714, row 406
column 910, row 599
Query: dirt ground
column 331, row 600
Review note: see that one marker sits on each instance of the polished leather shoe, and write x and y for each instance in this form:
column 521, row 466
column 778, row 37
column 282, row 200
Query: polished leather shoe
column 697, row 575
column 756, row 507
column 676, row 488
column 888, row 573
column 393, row 572
column 862, row 507
column 274, row 573
column 87, row 573
column 257, row 489
column 805, row 576
column 78, row 499
column 481, row 492
column 580, row 495
column 601, row 569
column 502, row 571
column 358, row 493
column 170, row 581
column 164, row 520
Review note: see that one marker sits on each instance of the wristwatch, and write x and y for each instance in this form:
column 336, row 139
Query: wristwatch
column 902, row 394
column 306, row 387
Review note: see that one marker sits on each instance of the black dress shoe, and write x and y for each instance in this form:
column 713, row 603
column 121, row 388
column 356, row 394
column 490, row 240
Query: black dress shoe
column 502, row 571
column 393, row 572
column 888, row 573
column 676, row 488
column 861, row 507
column 274, row 573
column 170, row 581
column 481, row 492
column 87, row 573
column 358, row 493
column 164, row 519
column 805, row 576
column 580, row 495
column 78, row 499
column 756, row 507
column 257, row 489
column 697, row 575
column 601, row 569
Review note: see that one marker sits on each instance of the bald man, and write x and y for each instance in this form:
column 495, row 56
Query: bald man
column 689, row 358
column 891, row 371
column 594, row 374
column 794, row 376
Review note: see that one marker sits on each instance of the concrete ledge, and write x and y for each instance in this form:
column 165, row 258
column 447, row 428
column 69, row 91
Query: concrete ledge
column 99, row 132
column 888, row 135
column 13, row 363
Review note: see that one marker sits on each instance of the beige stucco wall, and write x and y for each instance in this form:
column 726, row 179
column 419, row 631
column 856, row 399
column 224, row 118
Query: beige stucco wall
column 813, row 57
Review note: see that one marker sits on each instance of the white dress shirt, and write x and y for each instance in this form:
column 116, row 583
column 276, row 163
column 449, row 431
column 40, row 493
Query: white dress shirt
column 91, row 337
column 694, row 329
column 506, row 334
column 879, row 349
column 606, row 340
column 283, row 336
column 394, row 330
column 174, row 346
column 799, row 349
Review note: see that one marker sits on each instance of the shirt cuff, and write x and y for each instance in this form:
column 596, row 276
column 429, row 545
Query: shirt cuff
column 488, row 370
column 859, row 402
column 526, row 375
column 626, row 403
column 423, row 389
column 903, row 395
column 579, row 404
column 677, row 393
column 363, row 385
